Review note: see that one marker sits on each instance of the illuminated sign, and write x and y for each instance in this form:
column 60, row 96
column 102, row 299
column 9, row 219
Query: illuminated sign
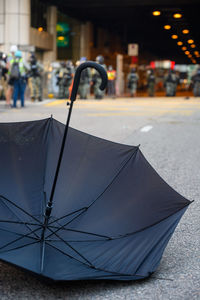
column 62, row 30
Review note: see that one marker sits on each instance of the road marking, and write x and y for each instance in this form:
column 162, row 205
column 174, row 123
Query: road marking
column 146, row 128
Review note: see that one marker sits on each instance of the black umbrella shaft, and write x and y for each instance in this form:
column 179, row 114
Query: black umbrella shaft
column 50, row 202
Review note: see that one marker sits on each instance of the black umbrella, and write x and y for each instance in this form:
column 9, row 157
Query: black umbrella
column 97, row 210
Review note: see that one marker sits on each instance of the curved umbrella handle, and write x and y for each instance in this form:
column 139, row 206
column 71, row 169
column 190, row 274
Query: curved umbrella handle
column 88, row 64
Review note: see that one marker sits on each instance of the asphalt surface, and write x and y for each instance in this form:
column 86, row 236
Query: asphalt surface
column 169, row 133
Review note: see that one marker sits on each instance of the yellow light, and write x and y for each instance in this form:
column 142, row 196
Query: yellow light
column 190, row 41
column 174, row 37
column 177, row 16
column 187, row 52
column 190, row 55
column 40, row 29
column 156, row 13
column 167, row 27
column 184, row 48
column 194, row 61
column 179, row 43
column 185, row 31
column 61, row 38
column 193, row 46
column 196, row 52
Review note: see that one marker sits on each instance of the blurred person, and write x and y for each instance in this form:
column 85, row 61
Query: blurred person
column 18, row 76
column 3, row 78
column 85, row 78
column 34, row 75
column 111, row 73
column 132, row 82
column 96, row 78
column 170, row 82
column 151, row 80
column 65, row 76
column 10, row 87
column 196, row 83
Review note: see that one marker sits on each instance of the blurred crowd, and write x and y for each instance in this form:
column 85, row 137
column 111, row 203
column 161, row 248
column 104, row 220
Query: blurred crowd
column 16, row 74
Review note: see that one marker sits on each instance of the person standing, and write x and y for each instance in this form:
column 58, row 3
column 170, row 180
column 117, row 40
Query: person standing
column 111, row 81
column 3, row 78
column 170, row 83
column 132, row 82
column 96, row 78
column 10, row 87
column 151, row 80
column 65, row 76
column 84, row 84
column 18, row 76
column 35, row 78
column 196, row 83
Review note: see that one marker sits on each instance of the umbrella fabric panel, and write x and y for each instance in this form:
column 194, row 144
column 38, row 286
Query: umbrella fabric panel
column 137, row 254
column 88, row 166
column 136, row 199
column 23, row 148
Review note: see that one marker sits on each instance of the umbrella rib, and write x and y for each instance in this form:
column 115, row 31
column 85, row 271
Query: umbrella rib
column 21, row 237
column 79, row 231
column 90, row 265
column 66, row 243
column 93, row 267
column 84, row 208
column 19, row 247
column 20, row 234
column 2, row 197
column 18, row 222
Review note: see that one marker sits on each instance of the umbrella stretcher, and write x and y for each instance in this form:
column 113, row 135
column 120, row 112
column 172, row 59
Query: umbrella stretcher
column 96, row 210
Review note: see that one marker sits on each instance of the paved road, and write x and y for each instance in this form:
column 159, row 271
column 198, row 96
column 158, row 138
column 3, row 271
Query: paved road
column 169, row 133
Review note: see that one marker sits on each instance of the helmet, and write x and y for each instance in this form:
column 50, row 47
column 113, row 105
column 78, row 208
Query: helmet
column 18, row 53
column 13, row 48
column 100, row 59
column 83, row 59
column 133, row 70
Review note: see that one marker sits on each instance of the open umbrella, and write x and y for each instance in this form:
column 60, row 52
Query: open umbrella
column 96, row 210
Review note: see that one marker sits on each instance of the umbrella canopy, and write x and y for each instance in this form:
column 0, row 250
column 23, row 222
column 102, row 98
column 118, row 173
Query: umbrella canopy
column 96, row 210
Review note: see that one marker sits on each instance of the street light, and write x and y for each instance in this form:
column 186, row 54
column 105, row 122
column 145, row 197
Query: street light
column 40, row 29
column 174, row 37
column 167, row 27
column 184, row 48
column 179, row 43
column 156, row 13
column 185, row 31
column 187, row 52
column 177, row 16
column 193, row 46
column 190, row 41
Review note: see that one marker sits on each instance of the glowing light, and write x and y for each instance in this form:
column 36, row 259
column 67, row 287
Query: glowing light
column 190, row 41
column 156, row 13
column 196, row 53
column 187, row 52
column 167, row 27
column 190, row 55
column 177, row 16
column 61, row 38
column 185, row 31
column 40, row 29
column 184, row 48
column 174, row 37
column 179, row 43
column 193, row 46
